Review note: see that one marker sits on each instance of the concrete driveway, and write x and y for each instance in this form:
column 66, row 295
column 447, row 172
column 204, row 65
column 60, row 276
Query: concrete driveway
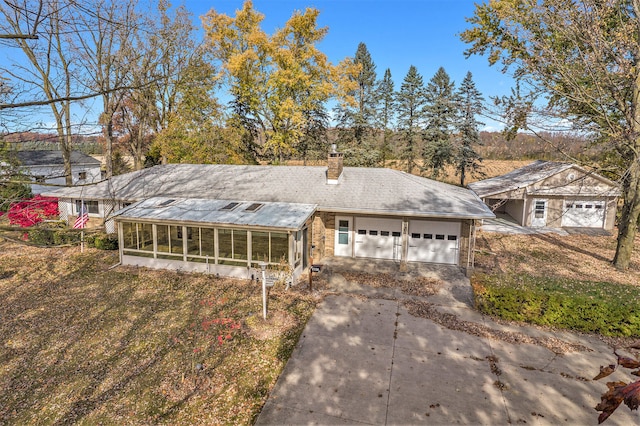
column 364, row 359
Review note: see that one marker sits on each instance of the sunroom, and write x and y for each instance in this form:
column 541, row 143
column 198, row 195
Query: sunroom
column 222, row 237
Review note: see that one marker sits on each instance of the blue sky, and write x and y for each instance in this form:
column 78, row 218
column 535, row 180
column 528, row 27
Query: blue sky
column 398, row 34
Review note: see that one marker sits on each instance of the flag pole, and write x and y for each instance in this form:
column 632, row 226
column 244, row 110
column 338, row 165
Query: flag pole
column 82, row 229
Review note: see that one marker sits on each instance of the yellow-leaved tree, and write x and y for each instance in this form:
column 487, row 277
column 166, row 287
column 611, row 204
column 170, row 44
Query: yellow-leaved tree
column 279, row 84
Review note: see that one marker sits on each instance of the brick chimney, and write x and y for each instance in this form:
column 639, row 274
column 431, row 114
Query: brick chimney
column 334, row 162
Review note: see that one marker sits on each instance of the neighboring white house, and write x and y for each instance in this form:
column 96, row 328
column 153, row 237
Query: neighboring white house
column 552, row 194
column 47, row 167
column 357, row 212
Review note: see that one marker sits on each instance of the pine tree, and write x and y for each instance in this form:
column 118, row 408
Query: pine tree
column 410, row 103
column 357, row 123
column 385, row 113
column 440, row 117
column 469, row 106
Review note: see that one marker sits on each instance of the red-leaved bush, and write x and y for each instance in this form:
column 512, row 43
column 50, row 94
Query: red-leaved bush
column 29, row 212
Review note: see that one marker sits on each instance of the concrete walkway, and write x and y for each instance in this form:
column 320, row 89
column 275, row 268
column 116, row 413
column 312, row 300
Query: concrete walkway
column 363, row 359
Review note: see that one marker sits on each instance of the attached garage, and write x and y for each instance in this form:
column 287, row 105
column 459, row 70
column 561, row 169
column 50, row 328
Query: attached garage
column 434, row 241
column 378, row 238
column 588, row 214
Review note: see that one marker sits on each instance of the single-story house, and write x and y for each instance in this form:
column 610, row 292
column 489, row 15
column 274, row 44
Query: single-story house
column 226, row 216
column 47, row 167
column 552, row 194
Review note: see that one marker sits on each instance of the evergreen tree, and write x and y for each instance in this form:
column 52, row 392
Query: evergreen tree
column 357, row 123
column 410, row 104
column 469, row 106
column 385, row 113
column 440, row 117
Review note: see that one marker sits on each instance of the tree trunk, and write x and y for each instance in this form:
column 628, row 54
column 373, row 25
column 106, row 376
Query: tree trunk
column 108, row 148
column 628, row 226
column 66, row 144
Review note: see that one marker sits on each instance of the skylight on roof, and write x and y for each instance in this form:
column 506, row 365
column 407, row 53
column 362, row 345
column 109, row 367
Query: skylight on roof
column 230, row 206
column 166, row 203
column 254, row 207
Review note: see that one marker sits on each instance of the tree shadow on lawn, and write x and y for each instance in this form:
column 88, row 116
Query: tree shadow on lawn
column 561, row 242
column 85, row 343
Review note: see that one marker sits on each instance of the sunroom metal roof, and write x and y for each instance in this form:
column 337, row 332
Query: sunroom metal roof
column 286, row 216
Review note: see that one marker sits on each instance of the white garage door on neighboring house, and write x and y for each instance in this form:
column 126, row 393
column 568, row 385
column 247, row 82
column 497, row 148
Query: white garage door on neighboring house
column 378, row 238
column 433, row 242
column 587, row 214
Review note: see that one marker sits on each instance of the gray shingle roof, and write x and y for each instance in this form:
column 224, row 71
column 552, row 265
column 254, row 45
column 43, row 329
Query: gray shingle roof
column 518, row 178
column 54, row 158
column 359, row 191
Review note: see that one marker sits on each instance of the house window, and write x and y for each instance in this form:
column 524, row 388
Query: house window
column 395, row 234
column 82, row 175
column 362, row 232
column 232, row 246
column 414, row 235
column 175, row 239
column 452, row 237
column 39, row 179
column 384, row 233
column 439, row 237
column 91, row 206
column 371, row 232
column 540, row 207
column 428, row 236
column 343, row 232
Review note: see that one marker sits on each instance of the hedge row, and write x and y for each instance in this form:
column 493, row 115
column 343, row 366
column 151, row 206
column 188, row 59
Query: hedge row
column 55, row 236
column 593, row 307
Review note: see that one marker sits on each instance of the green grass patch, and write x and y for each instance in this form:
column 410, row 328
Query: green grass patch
column 594, row 307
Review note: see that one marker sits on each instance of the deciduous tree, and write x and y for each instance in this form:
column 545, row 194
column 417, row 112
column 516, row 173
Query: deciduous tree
column 581, row 58
column 274, row 80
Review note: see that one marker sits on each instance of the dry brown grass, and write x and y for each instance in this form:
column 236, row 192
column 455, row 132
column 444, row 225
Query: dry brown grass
column 580, row 257
column 490, row 168
column 82, row 343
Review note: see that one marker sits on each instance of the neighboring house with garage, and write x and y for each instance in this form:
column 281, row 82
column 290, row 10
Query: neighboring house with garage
column 46, row 168
column 226, row 218
column 552, row 194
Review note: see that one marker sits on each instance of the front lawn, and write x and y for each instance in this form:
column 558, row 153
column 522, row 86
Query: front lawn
column 80, row 342
column 559, row 281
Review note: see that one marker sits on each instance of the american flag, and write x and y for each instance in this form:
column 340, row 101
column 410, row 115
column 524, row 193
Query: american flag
column 83, row 218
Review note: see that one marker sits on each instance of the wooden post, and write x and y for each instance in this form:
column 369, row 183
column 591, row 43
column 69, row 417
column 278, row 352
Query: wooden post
column 311, row 274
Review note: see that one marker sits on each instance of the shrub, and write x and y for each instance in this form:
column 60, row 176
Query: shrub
column 40, row 236
column 594, row 307
column 30, row 212
column 105, row 241
column 66, row 236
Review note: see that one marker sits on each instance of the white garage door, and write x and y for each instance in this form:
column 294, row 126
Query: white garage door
column 378, row 238
column 587, row 214
column 433, row 242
